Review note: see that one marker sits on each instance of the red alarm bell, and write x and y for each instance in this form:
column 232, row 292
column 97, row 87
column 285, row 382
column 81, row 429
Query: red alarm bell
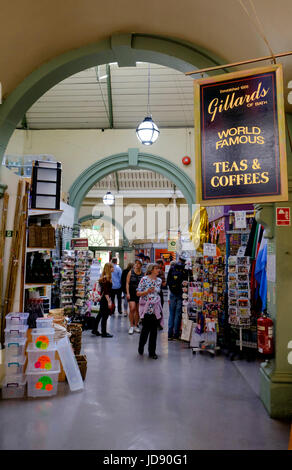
column 186, row 160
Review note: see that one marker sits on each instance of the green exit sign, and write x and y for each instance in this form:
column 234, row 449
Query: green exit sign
column 96, row 227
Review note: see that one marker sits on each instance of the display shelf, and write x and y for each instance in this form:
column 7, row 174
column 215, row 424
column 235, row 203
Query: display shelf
column 29, row 250
column 44, row 284
column 35, row 212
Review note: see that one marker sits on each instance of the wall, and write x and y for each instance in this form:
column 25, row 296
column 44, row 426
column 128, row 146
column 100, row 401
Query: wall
column 78, row 149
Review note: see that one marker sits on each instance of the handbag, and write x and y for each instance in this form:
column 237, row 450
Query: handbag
column 112, row 308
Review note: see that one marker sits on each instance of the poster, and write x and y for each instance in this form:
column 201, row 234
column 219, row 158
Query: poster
column 240, row 138
column 240, row 219
column 209, row 249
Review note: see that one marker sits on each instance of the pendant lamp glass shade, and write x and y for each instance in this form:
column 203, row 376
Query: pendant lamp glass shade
column 108, row 199
column 147, row 131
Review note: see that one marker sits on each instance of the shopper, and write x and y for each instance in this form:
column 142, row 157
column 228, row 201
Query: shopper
column 161, row 275
column 133, row 278
column 105, row 305
column 124, row 286
column 142, row 257
column 176, row 275
column 117, row 285
column 149, row 308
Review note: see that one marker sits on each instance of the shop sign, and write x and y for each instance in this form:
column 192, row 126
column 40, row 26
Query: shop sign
column 79, row 244
column 172, row 244
column 209, row 249
column 283, row 216
column 240, row 138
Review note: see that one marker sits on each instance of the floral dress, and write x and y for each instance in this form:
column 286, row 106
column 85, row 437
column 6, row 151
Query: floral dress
column 152, row 297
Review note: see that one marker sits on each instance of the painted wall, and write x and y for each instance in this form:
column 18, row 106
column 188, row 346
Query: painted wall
column 78, row 149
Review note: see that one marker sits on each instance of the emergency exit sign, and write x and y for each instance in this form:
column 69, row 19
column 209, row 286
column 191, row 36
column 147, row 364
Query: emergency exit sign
column 283, row 216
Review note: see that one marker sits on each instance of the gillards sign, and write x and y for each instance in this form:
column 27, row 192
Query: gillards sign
column 240, row 138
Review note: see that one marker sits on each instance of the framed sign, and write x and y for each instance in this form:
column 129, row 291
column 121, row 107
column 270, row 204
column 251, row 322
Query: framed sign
column 79, row 244
column 240, row 138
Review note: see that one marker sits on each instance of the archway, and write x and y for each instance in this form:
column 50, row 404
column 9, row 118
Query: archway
column 132, row 159
column 126, row 49
column 115, row 223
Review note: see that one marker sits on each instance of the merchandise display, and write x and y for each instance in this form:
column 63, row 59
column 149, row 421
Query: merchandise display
column 67, row 282
column 206, row 296
column 239, row 308
column 15, row 379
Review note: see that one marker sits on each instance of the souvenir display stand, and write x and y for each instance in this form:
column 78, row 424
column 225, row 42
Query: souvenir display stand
column 241, row 332
column 206, row 303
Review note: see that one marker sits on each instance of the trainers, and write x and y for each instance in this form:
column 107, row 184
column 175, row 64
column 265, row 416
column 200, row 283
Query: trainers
column 131, row 330
column 136, row 329
column 125, row 314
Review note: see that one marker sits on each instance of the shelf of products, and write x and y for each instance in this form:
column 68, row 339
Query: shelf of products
column 206, row 302
column 239, row 306
column 83, row 260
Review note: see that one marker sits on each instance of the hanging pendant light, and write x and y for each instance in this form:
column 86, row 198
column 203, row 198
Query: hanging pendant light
column 147, row 131
column 108, row 199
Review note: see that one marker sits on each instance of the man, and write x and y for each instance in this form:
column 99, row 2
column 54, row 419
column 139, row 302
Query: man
column 142, row 257
column 176, row 275
column 161, row 275
column 117, row 285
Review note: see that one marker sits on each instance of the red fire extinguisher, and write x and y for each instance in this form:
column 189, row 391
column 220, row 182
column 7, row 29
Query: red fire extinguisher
column 265, row 335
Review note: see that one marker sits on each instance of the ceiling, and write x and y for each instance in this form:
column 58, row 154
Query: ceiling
column 110, row 96
column 135, row 184
column 34, row 33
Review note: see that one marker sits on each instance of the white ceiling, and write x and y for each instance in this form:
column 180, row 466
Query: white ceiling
column 135, row 183
column 82, row 100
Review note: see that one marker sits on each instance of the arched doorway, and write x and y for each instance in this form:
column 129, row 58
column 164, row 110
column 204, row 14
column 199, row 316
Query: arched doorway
column 132, row 159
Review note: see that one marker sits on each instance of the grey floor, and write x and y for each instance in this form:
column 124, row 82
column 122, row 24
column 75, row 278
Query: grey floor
column 181, row 401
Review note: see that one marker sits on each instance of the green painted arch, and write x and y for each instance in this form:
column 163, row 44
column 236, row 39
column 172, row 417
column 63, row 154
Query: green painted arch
column 109, row 219
column 132, row 159
column 126, row 49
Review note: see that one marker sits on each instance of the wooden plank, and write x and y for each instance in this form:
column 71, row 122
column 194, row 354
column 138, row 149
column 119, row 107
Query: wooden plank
column 12, row 250
column 23, row 254
column 2, row 247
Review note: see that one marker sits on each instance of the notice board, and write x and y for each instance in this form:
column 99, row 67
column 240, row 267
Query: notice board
column 240, row 138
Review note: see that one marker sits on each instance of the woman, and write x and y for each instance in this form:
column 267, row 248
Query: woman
column 105, row 304
column 133, row 278
column 150, row 308
column 124, row 286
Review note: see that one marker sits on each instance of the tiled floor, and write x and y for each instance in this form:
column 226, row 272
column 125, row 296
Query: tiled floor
column 180, row 401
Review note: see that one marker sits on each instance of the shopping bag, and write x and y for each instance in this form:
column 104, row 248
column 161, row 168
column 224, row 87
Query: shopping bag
column 186, row 330
column 196, row 339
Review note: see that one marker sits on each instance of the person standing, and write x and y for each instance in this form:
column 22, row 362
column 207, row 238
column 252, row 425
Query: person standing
column 117, row 285
column 105, row 304
column 161, row 275
column 133, row 278
column 176, row 275
column 149, row 308
column 124, row 286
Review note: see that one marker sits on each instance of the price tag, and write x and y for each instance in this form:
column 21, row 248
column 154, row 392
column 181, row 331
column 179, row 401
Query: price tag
column 209, row 249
